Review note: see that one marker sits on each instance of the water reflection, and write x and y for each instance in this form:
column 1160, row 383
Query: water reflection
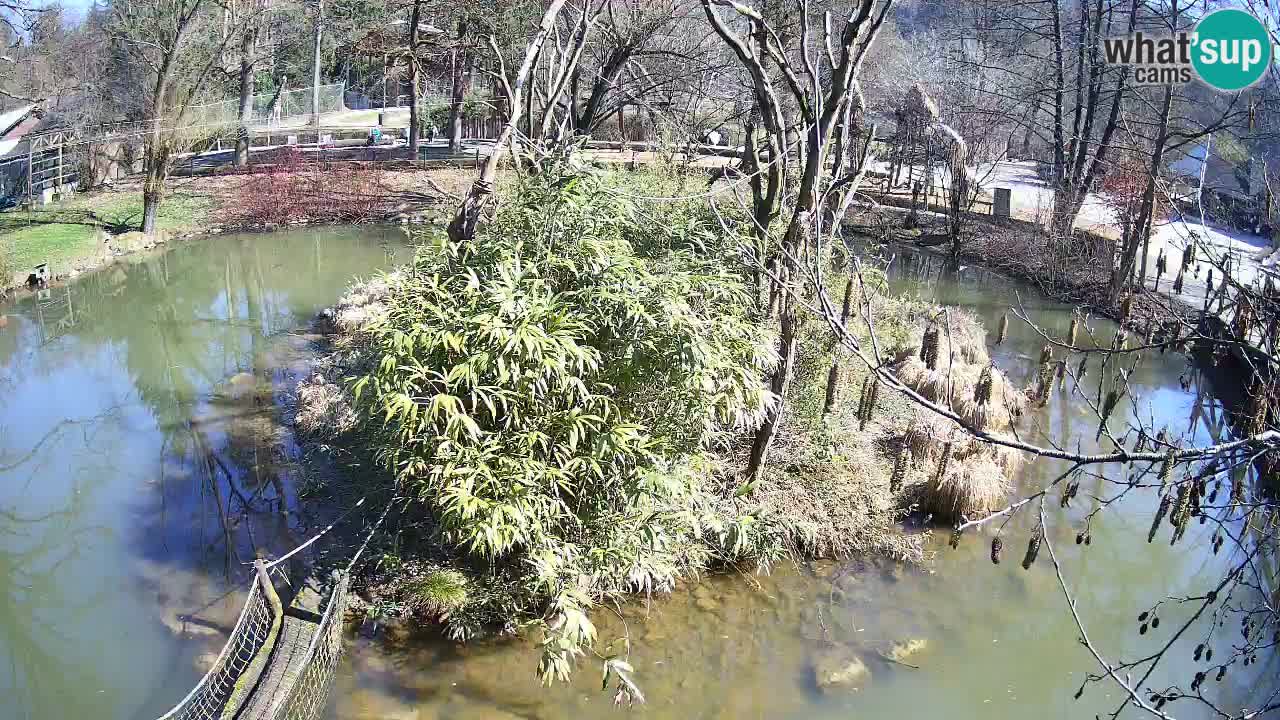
column 141, row 461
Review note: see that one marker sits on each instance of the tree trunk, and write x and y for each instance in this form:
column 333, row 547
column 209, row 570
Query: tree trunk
column 156, row 158
column 415, row 132
column 458, row 89
column 315, row 68
column 157, row 163
column 1140, row 231
column 465, row 223
column 778, row 385
column 833, row 375
column 606, row 80
column 797, row 232
column 248, row 63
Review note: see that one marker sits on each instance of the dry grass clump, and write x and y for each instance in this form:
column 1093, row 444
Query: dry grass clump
column 930, row 383
column 966, row 342
column 362, row 303
column 927, row 434
column 324, row 407
column 953, row 473
column 969, row 488
column 957, row 474
column 995, row 410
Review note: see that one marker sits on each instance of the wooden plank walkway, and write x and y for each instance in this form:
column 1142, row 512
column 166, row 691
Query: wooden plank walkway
column 282, row 672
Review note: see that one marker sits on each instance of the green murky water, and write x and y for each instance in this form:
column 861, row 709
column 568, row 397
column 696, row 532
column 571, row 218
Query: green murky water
column 140, row 467
column 120, row 442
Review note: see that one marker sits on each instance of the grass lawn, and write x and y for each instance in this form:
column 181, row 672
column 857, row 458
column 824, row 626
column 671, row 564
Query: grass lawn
column 65, row 232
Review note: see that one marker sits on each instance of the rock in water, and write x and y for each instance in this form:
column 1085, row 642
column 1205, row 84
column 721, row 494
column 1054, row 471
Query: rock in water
column 704, row 599
column 839, row 669
column 204, row 662
column 903, row 650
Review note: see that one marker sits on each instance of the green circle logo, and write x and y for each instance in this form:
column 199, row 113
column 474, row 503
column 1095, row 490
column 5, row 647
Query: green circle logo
column 1231, row 49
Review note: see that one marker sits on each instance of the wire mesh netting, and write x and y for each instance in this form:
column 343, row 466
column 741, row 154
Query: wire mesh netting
column 207, row 699
column 307, row 697
column 268, row 108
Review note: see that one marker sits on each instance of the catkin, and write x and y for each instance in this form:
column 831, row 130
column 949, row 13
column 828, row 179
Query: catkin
column 929, row 348
column 1033, row 548
column 1108, row 405
column 899, row 468
column 1180, row 512
column 943, row 461
column 982, row 390
column 1165, row 501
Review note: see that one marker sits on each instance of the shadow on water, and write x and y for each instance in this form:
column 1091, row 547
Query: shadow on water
column 142, row 461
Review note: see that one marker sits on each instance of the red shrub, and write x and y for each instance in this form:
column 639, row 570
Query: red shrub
column 1122, row 190
column 292, row 190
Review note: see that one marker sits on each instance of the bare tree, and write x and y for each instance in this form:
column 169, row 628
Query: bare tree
column 164, row 38
column 479, row 200
column 828, row 98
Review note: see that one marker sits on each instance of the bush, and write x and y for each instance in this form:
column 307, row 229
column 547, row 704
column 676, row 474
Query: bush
column 548, row 394
column 290, row 189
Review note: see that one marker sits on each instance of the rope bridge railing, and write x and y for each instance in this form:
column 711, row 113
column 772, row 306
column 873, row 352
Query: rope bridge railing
column 307, row 697
column 210, row 695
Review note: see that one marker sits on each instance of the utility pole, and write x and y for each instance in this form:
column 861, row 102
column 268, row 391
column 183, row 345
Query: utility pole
column 315, row 77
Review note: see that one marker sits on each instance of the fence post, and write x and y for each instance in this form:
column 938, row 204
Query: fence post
column 30, row 155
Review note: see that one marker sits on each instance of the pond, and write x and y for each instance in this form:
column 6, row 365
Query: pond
column 140, row 469
column 118, row 429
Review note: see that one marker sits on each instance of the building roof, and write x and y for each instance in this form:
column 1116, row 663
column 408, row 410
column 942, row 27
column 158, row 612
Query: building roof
column 12, row 118
column 1220, row 175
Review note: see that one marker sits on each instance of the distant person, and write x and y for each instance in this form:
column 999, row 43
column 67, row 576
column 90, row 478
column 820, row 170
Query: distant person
column 431, row 133
column 712, row 137
column 375, row 136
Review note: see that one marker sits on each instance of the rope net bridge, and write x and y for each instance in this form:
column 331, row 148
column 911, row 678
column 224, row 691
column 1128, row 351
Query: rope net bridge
column 278, row 663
